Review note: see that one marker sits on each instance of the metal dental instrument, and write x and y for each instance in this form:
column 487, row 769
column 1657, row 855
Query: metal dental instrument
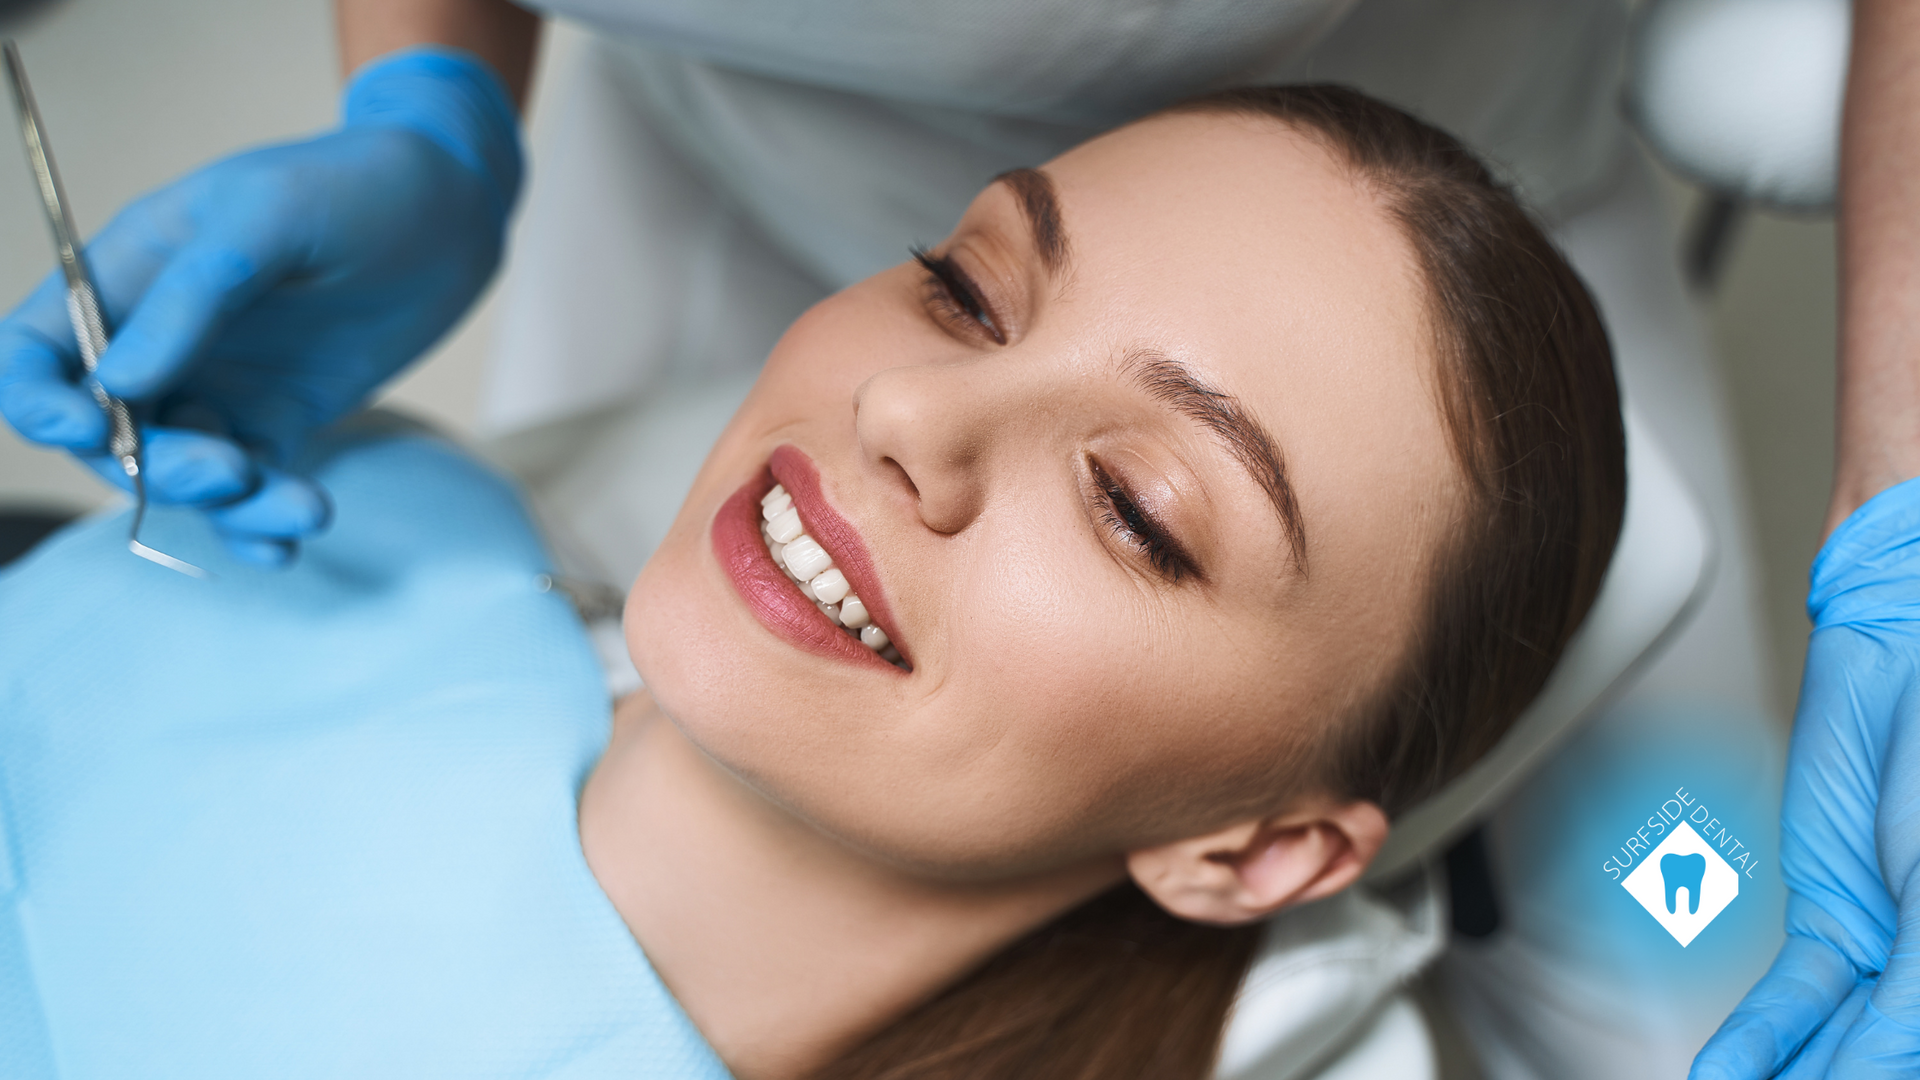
column 83, row 307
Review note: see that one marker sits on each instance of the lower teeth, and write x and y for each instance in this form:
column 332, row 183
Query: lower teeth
column 848, row 612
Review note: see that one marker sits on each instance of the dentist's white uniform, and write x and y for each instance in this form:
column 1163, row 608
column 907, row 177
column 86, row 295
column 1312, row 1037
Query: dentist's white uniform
column 714, row 166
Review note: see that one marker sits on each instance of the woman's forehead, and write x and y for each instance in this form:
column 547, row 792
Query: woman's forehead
column 1235, row 239
column 1225, row 196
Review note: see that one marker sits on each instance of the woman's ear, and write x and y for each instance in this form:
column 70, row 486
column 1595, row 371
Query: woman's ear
column 1252, row 869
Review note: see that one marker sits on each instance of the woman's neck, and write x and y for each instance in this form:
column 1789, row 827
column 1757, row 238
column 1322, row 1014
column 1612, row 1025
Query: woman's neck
column 785, row 947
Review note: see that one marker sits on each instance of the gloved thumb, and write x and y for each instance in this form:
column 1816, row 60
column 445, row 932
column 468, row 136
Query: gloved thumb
column 1876, row 1047
column 1817, row 1056
column 1884, row 1041
column 1808, row 981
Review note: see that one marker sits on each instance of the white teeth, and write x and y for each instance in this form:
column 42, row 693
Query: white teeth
column 813, row 573
column 806, row 559
column 831, row 586
column 853, row 613
column 784, row 526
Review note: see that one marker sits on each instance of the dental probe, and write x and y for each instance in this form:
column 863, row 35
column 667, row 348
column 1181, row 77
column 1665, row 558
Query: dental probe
column 83, row 308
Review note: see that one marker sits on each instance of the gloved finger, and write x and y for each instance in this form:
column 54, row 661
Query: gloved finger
column 53, row 412
column 193, row 468
column 43, row 317
column 1807, row 982
column 205, row 283
column 1817, row 1056
column 1876, row 1047
column 283, row 507
column 106, row 467
column 37, row 394
column 272, row 554
column 1884, row 1041
column 181, row 467
column 194, row 413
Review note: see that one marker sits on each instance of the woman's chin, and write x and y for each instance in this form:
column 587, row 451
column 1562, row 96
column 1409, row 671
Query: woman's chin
column 708, row 665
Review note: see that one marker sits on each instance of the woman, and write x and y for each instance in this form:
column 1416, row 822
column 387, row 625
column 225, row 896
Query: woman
column 1221, row 488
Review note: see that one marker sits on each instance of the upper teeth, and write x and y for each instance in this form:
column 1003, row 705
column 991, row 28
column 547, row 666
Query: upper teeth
column 805, row 558
column 809, row 565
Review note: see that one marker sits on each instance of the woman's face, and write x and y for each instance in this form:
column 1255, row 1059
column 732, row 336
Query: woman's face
column 1142, row 477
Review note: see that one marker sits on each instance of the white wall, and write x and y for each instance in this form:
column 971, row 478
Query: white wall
column 1776, row 330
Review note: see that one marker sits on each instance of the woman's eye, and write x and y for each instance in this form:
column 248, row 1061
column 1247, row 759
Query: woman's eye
column 955, row 298
column 1137, row 529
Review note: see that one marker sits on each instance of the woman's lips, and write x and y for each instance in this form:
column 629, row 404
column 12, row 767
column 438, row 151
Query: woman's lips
column 773, row 597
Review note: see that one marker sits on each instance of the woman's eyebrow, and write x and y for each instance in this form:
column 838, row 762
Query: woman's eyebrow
column 1034, row 190
column 1174, row 384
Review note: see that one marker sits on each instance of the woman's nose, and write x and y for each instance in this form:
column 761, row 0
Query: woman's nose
column 933, row 428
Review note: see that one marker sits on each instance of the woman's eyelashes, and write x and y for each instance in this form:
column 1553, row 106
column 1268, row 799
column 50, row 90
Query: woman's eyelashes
column 955, row 299
column 957, row 302
column 1133, row 526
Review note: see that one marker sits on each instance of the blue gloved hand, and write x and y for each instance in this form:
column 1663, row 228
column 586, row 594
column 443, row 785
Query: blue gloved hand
column 271, row 292
column 1843, row 997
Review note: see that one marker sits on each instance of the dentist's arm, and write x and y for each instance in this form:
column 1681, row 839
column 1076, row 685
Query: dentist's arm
column 502, row 35
column 271, row 292
column 1879, row 401
column 1843, row 997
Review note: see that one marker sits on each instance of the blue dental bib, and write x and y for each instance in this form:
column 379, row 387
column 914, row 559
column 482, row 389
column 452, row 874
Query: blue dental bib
column 317, row 822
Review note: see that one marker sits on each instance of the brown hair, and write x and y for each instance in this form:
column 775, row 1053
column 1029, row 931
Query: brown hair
column 1117, row 988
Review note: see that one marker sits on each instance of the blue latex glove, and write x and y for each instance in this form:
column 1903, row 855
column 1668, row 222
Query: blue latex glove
column 1843, row 997
column 271, row 292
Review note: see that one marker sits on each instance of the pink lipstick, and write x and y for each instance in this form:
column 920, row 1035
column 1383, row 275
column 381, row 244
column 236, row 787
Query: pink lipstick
column 773, row 597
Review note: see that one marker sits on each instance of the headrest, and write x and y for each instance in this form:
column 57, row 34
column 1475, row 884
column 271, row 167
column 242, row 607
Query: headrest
column 1744, row 96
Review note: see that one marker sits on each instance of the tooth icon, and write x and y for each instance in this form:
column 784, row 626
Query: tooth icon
column 1683, row 860
column 1683, row 872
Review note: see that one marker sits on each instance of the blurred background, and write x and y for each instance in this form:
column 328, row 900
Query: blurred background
column 136, row 92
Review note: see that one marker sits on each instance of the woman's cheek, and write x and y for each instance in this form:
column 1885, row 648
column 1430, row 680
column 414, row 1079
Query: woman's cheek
column 845, row 337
